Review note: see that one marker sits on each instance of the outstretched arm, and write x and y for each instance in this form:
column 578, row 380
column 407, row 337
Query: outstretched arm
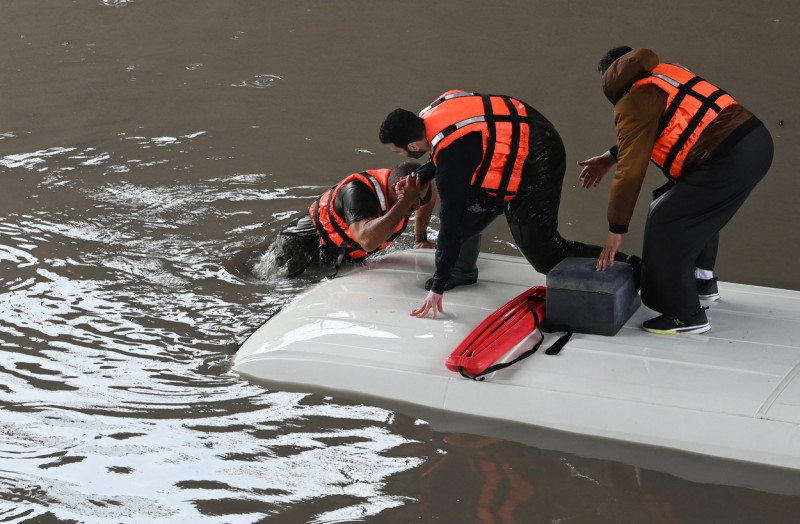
column 371, row 232
column 595, row 168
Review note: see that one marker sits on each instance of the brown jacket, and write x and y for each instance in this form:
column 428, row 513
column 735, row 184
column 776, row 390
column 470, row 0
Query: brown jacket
column 637, row 113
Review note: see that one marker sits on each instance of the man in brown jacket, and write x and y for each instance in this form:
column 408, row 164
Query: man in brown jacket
column 714, row 152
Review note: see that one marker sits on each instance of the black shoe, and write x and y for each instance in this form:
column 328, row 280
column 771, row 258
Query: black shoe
column 670, row 325
column 707, row 289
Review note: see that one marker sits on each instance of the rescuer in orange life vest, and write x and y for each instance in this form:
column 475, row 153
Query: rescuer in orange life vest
column 360, row 215
column 714, row 152
column 493, row 155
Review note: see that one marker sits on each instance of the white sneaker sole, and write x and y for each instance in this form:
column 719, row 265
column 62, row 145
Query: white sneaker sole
column 710, row 298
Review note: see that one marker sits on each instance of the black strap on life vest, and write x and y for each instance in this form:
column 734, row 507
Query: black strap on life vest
column 321, row 230
column 348, row 244
column 508, row 169
column 491, row 120
column 486, row 162
column 707, row 103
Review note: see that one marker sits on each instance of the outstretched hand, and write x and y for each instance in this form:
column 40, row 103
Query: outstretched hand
column 410, row 187
column 433, row 302
column 606, row 258
column 400, row 187
column 594, row 169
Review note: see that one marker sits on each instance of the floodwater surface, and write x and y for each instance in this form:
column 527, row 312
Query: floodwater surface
column 149, row 150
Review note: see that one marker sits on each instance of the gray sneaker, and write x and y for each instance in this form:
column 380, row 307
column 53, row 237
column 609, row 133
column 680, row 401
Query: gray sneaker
column 707, row 289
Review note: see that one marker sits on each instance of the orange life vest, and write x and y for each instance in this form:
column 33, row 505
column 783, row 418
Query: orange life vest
column 503, row 124
column 692, row 104
column 333, row 229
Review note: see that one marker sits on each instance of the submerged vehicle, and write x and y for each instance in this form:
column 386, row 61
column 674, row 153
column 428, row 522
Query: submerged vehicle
column 731, row 394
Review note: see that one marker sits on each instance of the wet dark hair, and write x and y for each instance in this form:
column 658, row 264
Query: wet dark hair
column 404, row 169
column 401, row 128
column 611, row 56
column 401, row 170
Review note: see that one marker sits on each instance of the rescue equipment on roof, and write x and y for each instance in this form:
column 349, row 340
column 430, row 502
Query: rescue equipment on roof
column 494, row 344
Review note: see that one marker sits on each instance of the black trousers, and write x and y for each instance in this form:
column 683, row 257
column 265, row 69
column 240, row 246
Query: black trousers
column 683, row 225
column 532, row 214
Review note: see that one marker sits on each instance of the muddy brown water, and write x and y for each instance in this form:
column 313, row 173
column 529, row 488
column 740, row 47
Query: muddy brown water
column 146, row 145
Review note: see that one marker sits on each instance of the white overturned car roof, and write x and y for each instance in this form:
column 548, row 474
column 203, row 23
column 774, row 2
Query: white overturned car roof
column 732, row 393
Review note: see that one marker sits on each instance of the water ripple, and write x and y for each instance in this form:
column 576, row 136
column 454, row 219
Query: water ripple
column 260, row 81
column 34, row 160
column 115, row 3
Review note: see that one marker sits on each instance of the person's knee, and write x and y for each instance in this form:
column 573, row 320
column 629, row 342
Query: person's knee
column 526, row 236
column 543, row 258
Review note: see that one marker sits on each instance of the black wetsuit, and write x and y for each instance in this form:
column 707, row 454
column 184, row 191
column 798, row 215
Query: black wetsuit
column 532, row 214
column 355, row 202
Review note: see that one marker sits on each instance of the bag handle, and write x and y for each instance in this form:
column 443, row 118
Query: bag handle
column 556, row 347
column 491, row 369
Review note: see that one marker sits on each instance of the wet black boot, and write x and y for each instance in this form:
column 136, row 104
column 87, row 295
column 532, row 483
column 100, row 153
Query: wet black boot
column 465, row 272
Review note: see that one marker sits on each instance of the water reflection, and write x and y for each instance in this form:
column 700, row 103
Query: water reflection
column 228, row 457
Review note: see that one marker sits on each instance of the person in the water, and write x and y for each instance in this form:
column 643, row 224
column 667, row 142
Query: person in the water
column 364, row 214
column 360, row 215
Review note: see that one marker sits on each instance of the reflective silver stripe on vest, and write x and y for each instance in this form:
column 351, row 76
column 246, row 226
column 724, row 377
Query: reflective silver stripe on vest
column 378, row 191
column 672, row 82
column 458, row 125
column 444, row 99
